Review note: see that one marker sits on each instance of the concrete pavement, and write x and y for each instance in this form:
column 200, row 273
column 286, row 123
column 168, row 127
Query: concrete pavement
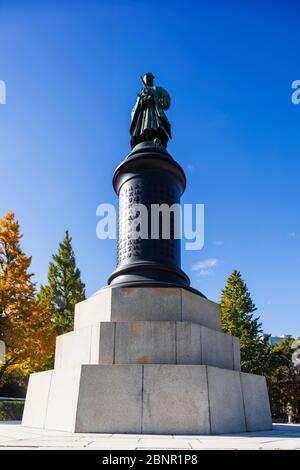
column 14, row 436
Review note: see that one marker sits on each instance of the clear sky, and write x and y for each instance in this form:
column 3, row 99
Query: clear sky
column 72, row 71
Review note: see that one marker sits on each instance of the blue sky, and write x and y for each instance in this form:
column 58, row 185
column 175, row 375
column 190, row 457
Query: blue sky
column 72, row 74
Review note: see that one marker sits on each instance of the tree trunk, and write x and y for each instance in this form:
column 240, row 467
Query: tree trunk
column 2, row 371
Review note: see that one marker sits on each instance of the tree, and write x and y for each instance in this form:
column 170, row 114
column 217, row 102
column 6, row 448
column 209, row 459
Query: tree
column 64, row 288
column 284, row 384
column 238, row 320
column 25, row 325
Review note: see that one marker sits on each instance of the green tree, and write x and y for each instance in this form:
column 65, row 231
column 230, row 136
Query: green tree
column 284, row 384
column 64, row 288
column 238, row 320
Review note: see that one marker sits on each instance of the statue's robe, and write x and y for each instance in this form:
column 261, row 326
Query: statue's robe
column 148, row 120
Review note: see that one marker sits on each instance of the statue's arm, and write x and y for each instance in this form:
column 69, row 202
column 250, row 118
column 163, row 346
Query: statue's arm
column 135, row 107
column 164, row 98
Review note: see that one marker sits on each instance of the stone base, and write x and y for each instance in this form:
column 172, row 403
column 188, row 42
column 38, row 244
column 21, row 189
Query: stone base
column 147, row 304
column 147, row 360
column 158, row 399
column 147, row 342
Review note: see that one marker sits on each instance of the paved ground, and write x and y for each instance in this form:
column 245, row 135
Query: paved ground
column 14, row 436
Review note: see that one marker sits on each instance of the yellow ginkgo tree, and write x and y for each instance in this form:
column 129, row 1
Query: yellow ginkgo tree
column 25, row 324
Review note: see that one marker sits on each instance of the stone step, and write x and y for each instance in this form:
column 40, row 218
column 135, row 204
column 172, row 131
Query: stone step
column 164, row 399
column 147, row 304
column 147, row 342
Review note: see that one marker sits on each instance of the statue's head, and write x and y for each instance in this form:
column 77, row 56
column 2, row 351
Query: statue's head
column 148, row 79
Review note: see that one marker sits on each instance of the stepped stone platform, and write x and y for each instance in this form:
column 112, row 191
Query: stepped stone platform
column 147, row 360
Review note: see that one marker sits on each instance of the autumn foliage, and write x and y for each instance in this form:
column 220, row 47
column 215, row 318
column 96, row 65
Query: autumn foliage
column 25, row 324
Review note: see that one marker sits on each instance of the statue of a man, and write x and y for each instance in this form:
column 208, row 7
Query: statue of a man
column 148, row 120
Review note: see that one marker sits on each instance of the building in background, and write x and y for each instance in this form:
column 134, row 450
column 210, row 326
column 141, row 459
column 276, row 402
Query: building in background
column 276, row 339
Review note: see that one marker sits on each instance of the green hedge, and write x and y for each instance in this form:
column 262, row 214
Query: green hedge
column 11, row 410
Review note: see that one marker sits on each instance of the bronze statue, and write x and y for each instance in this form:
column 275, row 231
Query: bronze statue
column 148, row 120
